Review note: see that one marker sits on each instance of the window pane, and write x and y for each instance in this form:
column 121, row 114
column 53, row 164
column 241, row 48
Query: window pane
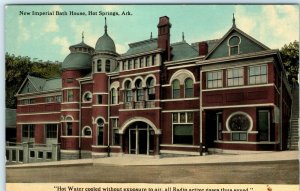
column 190, row 117
column 264, row 79
column 182, row 118
column 183, row 134
column 229, row 73
column 175, row 117
column 264, row 69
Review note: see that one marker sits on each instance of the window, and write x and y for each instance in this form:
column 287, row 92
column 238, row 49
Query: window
column 182, row 128
column 136, row 63
column 125, row 65
column 21, row 155
column 150, row 88
column 69, row 126
column 32, row 154
column 99, row 66
column 100, row 137
column 99, row 99
column 69, row 80
column 87, row 97
column 235, row 77
column 153, row 60
column 234, row 43
column 14, row 155
column 58, row 98
column 113, row 96
column 128, row 93
column 258, row 74
column 116, row 136
column 239, row 124
column 214, row 79
column 49, row 99
column 28, row 132
column 107, row 65
column 69, row 95
column 175, row 89
column 87, row 131
column 148, row 61
column 139, row 90
column 130, row 64
column 51, row 131
column 188, row 88
column 40, row 155
column 142, row 64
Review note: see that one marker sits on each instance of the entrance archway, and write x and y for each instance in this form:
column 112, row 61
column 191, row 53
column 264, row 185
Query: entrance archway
column 139, row 139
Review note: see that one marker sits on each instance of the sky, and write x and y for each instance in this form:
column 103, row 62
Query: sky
column 48, row 37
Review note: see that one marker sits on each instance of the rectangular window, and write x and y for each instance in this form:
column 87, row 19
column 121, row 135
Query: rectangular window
column 136, row 63
column 214, row 79
column 49, row 99
column 128, row 96
column 235, row 77
column 153, row 60
column 69, row 95
column 40, row 155
column 20, row 155
column 14, row 155
column 31, row 101
column 183, row 128
column 142, row 62
column 130, row 64
column 58, row 98
column 32, row 154
column 116, row 137
column 147, row 61
column 51, row 131
column 125, row 65
column 234, row 50
column 99, row 99
column 239, row 136
column 69, row 128
column 258, row 74
column 28, row 131
column 7, row 155
column 69, row 80
column 140, row 95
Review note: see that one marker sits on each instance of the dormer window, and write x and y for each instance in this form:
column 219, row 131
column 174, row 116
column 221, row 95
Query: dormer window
column 99, row 66
column 234, row 45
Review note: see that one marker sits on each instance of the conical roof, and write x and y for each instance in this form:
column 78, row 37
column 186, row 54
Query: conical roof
column 105, row 42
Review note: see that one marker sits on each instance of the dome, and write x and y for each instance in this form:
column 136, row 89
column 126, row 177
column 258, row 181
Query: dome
column 105, row 43
column 77, row 60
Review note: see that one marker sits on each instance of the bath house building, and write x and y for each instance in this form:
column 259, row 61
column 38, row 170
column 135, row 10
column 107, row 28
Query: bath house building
column 160, row 98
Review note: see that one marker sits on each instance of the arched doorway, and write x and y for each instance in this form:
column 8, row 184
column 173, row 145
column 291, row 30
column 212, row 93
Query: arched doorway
column 139, row 139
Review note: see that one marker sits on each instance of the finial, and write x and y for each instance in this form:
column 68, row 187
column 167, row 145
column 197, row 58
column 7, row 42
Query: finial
column 233, row 21
column 151, row 35
column 82, row 36
column 105, row 27
column 183, row 37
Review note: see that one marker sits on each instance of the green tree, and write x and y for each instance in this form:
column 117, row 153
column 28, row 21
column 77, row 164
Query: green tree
column 290, row 59
column 18, row 67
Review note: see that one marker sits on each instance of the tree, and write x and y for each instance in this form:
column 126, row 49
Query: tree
column 18, row 67
column 290, row 59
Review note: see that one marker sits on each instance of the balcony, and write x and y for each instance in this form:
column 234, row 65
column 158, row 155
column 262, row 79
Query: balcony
column 139, row 105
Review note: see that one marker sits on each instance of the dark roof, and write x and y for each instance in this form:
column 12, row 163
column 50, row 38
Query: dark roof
column 81, row 45
column 77, row 60
column 141, row 46
column 42, row 84
column 10, row 117
column 105, row 44
column 182, row 50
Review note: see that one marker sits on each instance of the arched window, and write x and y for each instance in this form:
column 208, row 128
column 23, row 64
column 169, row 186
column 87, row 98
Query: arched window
column 87, row 131
column 113, row 96
column 100, row 126
column 99, row 66
column 188, row 88
column 234, row 43
column 150, row 88
column 139, row 90
column 175, row 89
column 128, row 92
column 107, row 65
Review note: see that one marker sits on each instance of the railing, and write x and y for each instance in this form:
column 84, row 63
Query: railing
column 139, row 105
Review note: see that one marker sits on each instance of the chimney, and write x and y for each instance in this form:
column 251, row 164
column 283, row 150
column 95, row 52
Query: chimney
column 163, row 40
column 203, row 48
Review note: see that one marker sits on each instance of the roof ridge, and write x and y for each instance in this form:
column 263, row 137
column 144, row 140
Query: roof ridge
column 138, row 43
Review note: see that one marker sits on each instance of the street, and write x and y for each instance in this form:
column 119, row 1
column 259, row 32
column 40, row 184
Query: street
column 275, row 172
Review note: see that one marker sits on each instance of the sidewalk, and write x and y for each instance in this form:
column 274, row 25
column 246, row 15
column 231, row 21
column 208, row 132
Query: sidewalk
column 132, row 160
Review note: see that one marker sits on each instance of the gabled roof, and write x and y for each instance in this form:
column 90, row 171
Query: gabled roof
column 41, row 84
column 182, row 50
column 235, row 29
column 141, row 46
